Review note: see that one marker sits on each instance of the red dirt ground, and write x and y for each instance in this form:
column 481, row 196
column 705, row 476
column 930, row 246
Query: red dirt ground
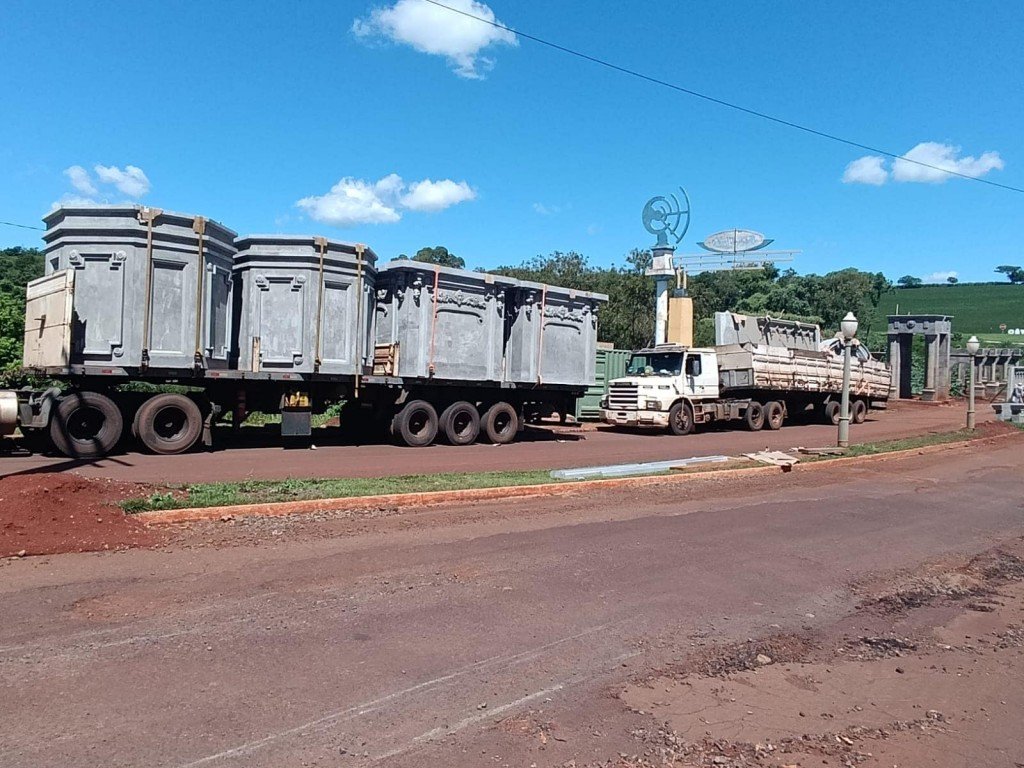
column 48, row 513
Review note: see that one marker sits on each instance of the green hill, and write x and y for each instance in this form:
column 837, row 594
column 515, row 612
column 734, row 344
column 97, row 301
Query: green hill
column 977, row 308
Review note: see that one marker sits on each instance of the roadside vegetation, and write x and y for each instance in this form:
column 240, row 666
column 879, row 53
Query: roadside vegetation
column 977, row 308
column 199, row 495
column 17, row 267
column 269, row 491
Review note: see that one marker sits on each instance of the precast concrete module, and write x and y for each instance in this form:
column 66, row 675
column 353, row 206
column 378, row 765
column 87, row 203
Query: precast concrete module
column 552, row 335
column 448, row 323
column 152, row 288
column 306, row 304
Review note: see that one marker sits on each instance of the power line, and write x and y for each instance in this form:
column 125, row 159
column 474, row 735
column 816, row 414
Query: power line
column 21, row 226
column 721, row 102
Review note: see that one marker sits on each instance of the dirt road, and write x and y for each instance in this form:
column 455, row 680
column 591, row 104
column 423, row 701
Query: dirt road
column 540, row 449
column 541, row 631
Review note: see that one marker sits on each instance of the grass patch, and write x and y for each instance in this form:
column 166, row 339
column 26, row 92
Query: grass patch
column 903, row 444
column 269, row 491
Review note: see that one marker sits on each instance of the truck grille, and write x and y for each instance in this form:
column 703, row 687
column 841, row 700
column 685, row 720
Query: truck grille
column 623, row 397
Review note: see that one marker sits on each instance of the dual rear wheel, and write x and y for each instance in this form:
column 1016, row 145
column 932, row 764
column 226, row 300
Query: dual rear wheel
column 89, row 425
column 858, row 411
column 417, row 423
column 771, row 415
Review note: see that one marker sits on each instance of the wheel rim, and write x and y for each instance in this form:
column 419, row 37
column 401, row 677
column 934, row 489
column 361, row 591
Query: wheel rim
column 419, row 422
column 170, row 423
column 502, row 422
column 682, row 419
column 85, row 424
column 462, row 423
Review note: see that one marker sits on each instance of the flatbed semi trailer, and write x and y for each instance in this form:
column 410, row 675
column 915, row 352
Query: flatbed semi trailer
column 93, row 413
column 154, row 326
column 756, row 383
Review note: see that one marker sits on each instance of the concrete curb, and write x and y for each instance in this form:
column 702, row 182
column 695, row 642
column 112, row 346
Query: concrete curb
column 434, row 498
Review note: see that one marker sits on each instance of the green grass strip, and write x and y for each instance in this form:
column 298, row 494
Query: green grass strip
column 270, row 491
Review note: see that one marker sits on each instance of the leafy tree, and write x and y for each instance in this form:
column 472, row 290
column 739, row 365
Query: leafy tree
column 12, row 327
column 628, row 319
column 17, row 267
column 1014, row 274
column 438, row 255
column 909, row 281
column 952, row 280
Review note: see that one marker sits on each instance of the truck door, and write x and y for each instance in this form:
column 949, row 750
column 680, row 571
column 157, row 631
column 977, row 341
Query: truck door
column 701, row 374
column 693, row 371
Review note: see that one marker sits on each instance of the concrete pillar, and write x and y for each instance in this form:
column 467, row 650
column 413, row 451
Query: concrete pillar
column 894, row 365
column 943, row 378
column 931, row 366
column 661, row 311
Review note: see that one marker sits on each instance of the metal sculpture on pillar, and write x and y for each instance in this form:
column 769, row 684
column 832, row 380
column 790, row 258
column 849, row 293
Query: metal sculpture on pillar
column 665, row 217
column 848, row 329
column 973, row 345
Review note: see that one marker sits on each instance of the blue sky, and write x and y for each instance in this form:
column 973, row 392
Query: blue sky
column 327, row 116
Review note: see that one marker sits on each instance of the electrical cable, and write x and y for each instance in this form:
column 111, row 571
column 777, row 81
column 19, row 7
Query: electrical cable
column 21, row 226
column 722, row 102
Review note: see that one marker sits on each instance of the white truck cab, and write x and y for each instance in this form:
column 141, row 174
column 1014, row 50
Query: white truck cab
column 661, row 387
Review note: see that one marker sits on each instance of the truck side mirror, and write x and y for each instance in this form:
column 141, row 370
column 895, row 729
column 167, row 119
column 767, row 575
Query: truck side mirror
column 693, row 366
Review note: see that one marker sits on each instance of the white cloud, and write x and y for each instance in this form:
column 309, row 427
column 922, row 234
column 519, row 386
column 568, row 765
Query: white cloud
column 940, row 277
column 129, row 181
column 869, row 169
column 439, row 32
column 434, row 196
column 546, row 210
column 80, row 180
column 353, row 201
column 72, row 201
column 945, row 156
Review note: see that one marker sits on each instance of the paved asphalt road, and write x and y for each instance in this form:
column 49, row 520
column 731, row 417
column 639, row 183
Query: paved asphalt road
column 539, row 449
column 321, row 644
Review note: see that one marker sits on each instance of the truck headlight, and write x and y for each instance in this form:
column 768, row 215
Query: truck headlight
column 653, row 405
column 603, row 403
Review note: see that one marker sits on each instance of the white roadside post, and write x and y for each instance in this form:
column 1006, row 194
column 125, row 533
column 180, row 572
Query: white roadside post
column 849, row 329
column 973, row 345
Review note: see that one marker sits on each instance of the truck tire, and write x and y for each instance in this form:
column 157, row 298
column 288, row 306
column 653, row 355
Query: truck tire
column 500, row 423
column 832, row 412
column 460, row 423
column 86, row 425
column 415, row 424
column 168, row 424
column 858, row 411
column 680, row 419
column 774, row 414
column 755, row 416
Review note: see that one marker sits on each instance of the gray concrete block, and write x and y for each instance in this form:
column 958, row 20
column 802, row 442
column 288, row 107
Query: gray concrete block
column 106, row 246
column 552, row 335
column 448, row 323
column 283, row 292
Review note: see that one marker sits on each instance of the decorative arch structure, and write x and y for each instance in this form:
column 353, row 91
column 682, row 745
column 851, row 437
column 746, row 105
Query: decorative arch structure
column 937, row 331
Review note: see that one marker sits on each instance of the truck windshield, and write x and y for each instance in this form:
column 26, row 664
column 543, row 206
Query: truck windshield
column 662, row 364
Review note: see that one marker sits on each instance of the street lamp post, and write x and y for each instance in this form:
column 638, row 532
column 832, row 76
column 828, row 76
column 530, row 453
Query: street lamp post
column 973, row 345
column 849, row 329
